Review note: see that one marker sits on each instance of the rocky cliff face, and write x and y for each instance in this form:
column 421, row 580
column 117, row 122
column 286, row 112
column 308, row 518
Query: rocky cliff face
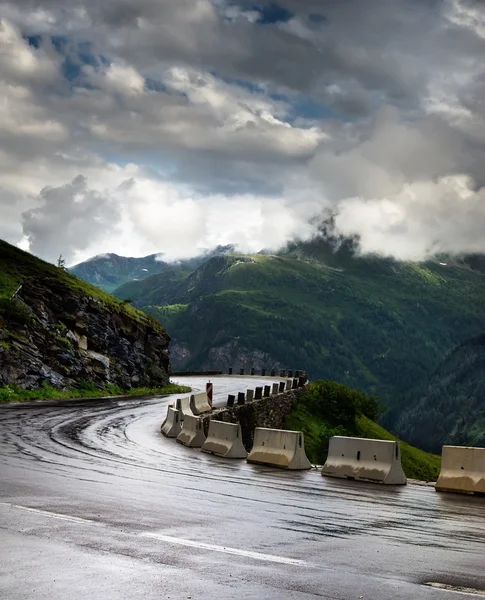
column 232, row 354
column 68, row 337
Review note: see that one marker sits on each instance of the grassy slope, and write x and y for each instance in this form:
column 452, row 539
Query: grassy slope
column 16, row 266
column 416, row 463
column 375, row 325
column 16, row 394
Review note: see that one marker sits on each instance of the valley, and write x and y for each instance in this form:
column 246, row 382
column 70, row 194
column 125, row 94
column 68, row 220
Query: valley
column 374, row 324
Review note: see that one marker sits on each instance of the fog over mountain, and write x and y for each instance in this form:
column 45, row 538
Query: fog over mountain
column 150, row 126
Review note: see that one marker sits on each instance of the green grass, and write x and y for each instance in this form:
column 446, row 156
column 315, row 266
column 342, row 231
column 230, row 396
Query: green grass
column 328, row 409
column 417, row 464
column 12, row 393
column 17, row 266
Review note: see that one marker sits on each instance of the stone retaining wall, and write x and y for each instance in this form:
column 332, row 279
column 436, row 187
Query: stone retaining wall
column 268, row 412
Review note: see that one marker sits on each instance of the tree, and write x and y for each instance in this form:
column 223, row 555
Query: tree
column 61, row 263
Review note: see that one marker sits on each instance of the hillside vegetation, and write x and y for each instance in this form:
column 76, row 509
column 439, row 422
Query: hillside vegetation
column 374, row 324
column 17, row 267
column 449, row 408
column 110, row 271
column 60, row 336
column 328, row 408
column 85, row 389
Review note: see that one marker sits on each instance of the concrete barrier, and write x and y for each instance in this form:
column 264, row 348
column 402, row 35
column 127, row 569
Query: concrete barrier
column 462, row 470
column 279, row 448
column 183, row 406
column 289, row 384
column 199, row 403
column 192, row 434
column 282, row 386
column 241, row 398
column 249, row 395
column 171, row 427
column 275, row 389
column 224, row 439
column 267, row 391
column 230, row 400
column 258, row 393
column 364, row 459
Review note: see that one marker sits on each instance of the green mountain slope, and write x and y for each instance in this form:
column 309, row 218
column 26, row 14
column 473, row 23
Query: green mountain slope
column 18, row 267
column 374, row 324
column 59, row 332
column 327, row 408
column 449, row 408
column 110, row 271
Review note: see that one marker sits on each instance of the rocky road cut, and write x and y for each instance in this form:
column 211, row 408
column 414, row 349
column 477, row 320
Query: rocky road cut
column 95, row 503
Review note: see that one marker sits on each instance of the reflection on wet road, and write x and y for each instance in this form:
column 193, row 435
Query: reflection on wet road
column 95, row 503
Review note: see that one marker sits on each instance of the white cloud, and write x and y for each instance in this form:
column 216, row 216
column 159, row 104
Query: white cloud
column 142, row 215
column 69, row 218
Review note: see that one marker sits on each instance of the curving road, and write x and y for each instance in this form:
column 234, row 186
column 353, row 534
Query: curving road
column 96, row 504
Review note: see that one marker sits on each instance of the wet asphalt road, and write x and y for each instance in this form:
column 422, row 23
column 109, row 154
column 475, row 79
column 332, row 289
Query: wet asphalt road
column 96, row 504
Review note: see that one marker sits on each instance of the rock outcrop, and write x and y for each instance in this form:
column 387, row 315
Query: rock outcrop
column 69, row 337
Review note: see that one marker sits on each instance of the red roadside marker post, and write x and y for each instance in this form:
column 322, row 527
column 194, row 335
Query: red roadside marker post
column 209, row 391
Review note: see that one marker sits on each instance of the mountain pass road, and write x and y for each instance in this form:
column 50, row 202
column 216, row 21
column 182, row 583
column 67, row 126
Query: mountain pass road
column 96, row 504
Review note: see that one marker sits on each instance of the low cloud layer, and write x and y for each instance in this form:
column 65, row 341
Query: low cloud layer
column 176, row 126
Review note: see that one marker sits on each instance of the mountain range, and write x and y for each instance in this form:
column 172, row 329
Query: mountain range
column 373, row 323
column 110, row 271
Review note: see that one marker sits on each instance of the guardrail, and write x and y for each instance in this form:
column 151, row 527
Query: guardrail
column 253, row 372
column 358, row 459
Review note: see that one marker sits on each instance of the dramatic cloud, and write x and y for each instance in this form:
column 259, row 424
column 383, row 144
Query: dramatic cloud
column 70, row 217
column 173, row 126
column 142, row 215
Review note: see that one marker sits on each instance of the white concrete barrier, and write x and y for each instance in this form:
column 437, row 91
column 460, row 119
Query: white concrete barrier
column 364, row 459
column 199, row 403
column 171, row 427
column 183, row 406
column 279, row 448
column 192, row 434
column 462, row 470
column 224, row 439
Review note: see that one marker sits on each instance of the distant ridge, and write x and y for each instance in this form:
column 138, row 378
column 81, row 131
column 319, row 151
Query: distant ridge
column 109, row 271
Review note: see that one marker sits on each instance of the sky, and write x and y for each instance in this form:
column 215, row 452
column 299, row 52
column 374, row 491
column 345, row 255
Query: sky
column 172, row 126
